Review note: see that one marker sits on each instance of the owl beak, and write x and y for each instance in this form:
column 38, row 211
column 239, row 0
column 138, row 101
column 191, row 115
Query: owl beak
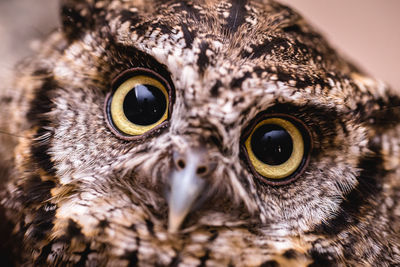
column 187, row 183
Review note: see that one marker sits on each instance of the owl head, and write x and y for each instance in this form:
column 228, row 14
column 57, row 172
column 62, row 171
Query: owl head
column 188, row 131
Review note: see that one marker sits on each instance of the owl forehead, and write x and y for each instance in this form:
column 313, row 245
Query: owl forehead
column 195, row 52
column 205, row 67
column 227, row 54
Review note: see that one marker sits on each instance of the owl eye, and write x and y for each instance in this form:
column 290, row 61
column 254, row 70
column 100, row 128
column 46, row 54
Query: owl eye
column 139, row 104
column 277, row 149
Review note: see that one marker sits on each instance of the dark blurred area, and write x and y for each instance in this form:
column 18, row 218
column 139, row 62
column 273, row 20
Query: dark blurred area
column 21, row 23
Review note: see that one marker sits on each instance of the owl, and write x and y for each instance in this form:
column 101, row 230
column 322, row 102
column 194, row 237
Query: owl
column 196, row 133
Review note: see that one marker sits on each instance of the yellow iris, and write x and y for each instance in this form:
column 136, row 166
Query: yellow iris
column 118, row 114
column 286, row 168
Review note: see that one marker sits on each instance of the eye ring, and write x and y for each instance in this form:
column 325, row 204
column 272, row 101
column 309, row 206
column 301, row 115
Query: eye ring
column 288, row 170
column 149, row 77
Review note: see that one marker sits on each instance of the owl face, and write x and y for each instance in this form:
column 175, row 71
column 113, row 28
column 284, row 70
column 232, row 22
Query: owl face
column 231, row 125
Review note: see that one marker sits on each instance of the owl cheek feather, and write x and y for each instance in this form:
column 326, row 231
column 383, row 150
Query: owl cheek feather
column 187, row 182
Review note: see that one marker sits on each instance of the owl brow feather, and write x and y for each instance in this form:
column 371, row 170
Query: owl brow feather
column 383, row 111
column 14, row 135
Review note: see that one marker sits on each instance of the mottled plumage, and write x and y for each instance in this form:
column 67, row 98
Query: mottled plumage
column 78, row 192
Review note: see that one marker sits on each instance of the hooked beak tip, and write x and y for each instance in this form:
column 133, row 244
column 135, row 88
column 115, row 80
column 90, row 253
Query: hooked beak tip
column 174, row 222
column 185, row 189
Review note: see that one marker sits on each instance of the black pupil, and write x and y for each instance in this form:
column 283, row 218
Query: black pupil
column 272, row 144
column 144, row 104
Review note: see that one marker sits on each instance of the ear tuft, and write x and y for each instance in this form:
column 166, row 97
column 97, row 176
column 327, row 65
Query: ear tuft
column 76, row 17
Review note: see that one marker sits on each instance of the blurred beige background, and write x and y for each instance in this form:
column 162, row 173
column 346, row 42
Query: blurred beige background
column 368, row 31
column 21, row 22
